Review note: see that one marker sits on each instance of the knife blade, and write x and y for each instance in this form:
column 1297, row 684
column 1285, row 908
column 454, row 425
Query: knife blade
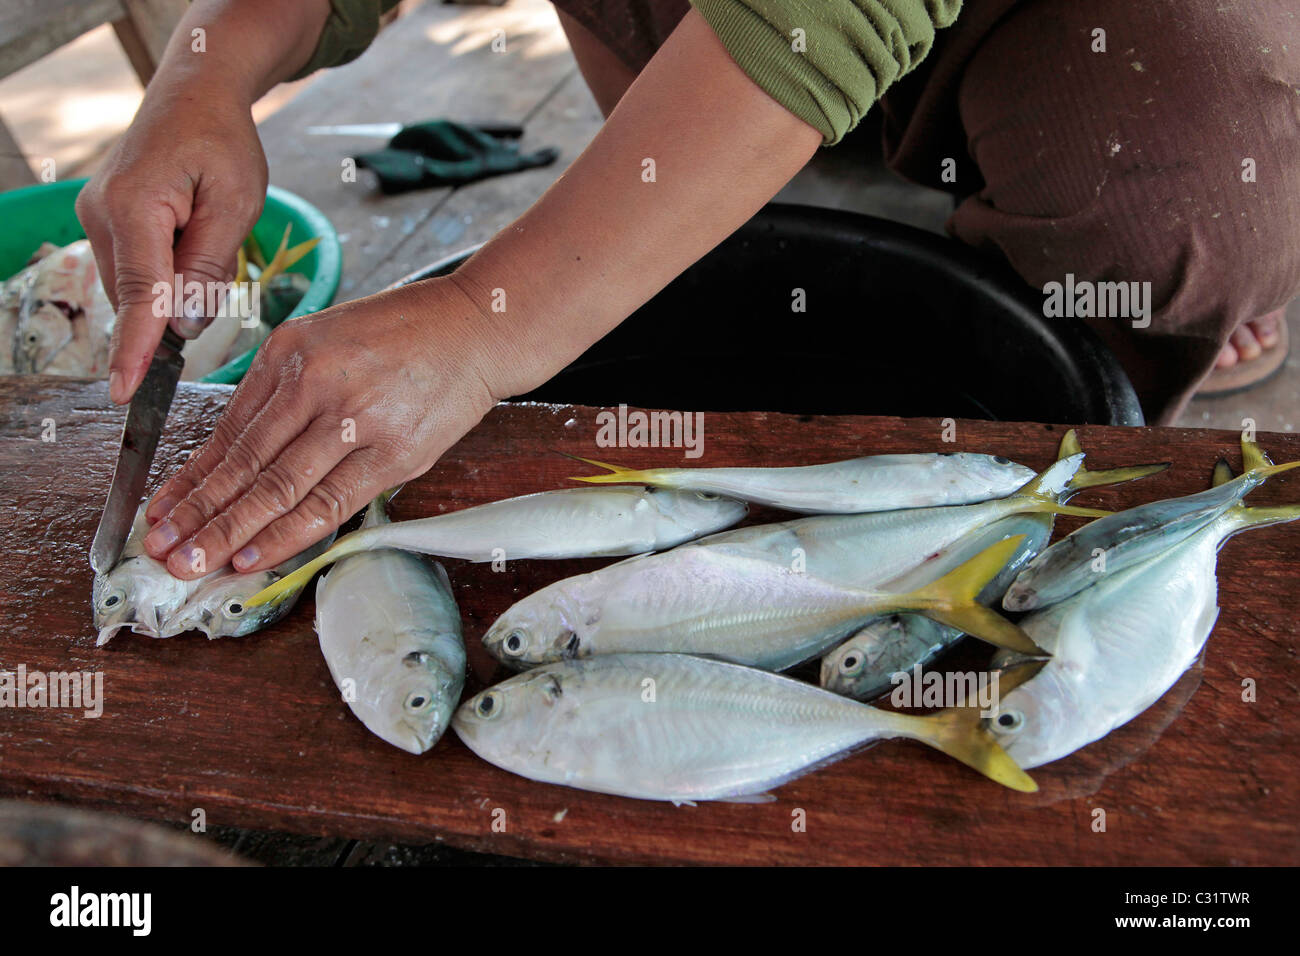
column 144, row 422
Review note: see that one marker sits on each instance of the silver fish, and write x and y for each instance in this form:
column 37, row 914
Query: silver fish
column 64, row 323
column 572, row 523
column 872, row 483
column 863, row 666
column 682, row 728
column 734, row 607
column 391, row 634
column 869, row 549
column 1120, row 644
column 1126, row 538
column 219, row 606
column 139, row 593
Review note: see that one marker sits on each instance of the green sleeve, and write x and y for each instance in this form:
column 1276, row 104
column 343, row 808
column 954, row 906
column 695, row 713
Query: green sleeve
column 349, row 29
column 853, row 50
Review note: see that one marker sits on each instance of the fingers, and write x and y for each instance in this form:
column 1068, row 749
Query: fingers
column 245, row 457
column 252, row 395
column 277, row 489
column 206, row 251
column 142, row 283
column 354, row 482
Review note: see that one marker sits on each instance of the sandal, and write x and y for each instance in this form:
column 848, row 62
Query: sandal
column 1246, row 375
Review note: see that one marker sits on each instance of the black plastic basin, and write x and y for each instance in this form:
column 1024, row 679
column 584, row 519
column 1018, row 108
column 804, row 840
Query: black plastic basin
column 898, row 322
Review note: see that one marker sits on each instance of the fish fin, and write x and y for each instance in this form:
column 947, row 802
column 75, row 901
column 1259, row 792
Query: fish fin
column 294, row 582
column 1222, row 473
column 1253, row 458
column 961, row 734
column 377, row 513
column 276, row 265
column 1083, row 478
column 293, row 256
column 1246, row 517
column 1069, row 446
column 617, row 473
column 684, row 803
column 1045, row 489
column 952, row 600
column 1051, row 482
column 254, row 252
column 748, row 798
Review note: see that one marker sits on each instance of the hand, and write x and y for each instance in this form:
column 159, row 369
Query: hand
column 190, row 162
column 336, row 408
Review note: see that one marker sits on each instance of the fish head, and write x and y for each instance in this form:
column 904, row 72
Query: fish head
column 219, row 608
column 544, row 627
column 988, row 475
column 508, row 723
column 139, row 594
column 845, row 668
column 695, row 512
column 1030, row 717
column 44, row 329
column 407, row 694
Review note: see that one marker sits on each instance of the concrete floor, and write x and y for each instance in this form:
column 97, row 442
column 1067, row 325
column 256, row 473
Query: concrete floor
column 72, row 104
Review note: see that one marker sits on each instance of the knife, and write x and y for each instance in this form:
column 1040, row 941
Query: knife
column 144, row 421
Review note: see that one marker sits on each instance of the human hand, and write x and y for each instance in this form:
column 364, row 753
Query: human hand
column 337, row 407
column 190, row 165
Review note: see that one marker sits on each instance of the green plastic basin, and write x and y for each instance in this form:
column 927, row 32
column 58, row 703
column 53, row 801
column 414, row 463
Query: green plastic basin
column 47, row 213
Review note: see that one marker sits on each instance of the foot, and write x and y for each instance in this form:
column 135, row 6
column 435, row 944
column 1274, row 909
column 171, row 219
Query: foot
column 1251, row 339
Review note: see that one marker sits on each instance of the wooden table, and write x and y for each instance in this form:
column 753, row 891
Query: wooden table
column 253, row 732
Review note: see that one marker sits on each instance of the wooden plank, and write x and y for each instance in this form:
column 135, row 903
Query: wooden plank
column 437, row 61
column 253, row 730
column 29, row 29
column 566, row 120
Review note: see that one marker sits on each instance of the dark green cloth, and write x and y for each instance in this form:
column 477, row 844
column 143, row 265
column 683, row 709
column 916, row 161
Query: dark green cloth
column 443, row 153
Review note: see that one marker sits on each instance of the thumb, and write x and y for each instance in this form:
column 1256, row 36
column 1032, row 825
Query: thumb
column 142, row 260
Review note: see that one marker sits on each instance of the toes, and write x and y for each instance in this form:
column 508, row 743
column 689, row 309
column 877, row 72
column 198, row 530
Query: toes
column 1243, row 339
column 1265, row 330
column 1227, row 357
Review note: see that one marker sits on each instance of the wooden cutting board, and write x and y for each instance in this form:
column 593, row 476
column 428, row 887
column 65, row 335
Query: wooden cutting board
column 252, row 731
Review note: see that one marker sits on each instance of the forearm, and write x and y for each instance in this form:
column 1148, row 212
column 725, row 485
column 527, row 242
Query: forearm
column 602, row 240
column 248, row 46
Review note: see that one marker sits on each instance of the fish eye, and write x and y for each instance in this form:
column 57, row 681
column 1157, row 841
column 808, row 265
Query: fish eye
column 707, row 496
column 487, row 706
column 233, row 608
column 851, row 663
column 1010, row 721
column 417, row 701
column 515, row 644
column 112, row 599
column 1001, row 461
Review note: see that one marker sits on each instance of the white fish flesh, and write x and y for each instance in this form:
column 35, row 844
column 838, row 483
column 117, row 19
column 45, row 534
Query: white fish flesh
column 681, row 728
column 391, row 634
